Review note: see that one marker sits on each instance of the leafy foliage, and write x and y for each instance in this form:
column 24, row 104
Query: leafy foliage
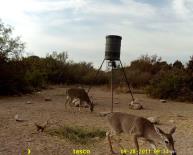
column 21, row 75
column 9, row 47
column 172, row 84
column 160, row 79
column 24, row 74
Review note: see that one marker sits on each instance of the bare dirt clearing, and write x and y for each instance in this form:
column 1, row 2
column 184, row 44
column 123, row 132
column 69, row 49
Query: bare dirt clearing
column 17, row 137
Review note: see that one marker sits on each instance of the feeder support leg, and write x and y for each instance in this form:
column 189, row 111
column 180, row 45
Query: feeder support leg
column 123, row 70
column 96, row 75
column 112, row 86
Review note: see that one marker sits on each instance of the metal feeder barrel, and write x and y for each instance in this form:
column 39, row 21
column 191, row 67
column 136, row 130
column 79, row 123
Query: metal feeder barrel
column 113, row 46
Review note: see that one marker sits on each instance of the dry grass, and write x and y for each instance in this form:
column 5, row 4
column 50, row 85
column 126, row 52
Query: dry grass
column 77, row 134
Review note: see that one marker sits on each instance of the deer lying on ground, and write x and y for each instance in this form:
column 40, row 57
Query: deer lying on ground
column 139, row 127
column 78, row 93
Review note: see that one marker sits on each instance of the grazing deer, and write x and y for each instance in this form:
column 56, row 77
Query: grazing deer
column 81, row 94
column 139, row 127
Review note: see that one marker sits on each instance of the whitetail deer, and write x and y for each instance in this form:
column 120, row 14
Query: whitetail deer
column 80, row 93
column 139, row 127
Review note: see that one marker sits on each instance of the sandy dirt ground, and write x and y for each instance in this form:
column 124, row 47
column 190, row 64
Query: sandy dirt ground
column 17, row 137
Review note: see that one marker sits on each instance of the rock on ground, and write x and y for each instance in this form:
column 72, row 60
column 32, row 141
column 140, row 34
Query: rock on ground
column 135, row 105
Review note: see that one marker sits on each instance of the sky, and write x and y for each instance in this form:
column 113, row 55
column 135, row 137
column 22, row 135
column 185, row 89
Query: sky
column 161, row 27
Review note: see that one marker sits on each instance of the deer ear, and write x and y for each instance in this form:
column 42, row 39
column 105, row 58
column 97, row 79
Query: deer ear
column 172, row 130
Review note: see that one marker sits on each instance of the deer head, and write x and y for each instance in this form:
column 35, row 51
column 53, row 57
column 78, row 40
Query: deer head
column 167, row 139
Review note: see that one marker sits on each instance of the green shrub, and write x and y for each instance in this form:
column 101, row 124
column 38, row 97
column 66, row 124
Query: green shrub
column 35, row 79
column 171, row 84
column 139, row 79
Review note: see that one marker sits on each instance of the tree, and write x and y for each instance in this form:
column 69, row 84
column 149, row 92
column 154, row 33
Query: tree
column 190, row 71
column 190, row 64
column 59, row 56
column 146, row 63
column 10, row 48
column 178, row 64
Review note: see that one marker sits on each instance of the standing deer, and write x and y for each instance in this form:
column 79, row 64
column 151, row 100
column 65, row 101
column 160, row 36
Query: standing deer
column 78, row 93
column 139, row 127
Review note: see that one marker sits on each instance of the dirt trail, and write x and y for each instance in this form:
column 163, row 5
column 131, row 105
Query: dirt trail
column 17, row 137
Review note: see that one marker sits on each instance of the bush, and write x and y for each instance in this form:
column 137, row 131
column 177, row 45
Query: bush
column 171, row 84
column 35, row 79
column 138, row 79
column 12, row 80
column 31, row 73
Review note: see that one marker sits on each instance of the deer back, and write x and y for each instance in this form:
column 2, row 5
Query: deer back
column 122, row 122
column 78, row 93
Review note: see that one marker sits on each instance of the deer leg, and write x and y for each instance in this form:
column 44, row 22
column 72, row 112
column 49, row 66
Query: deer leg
column 119, row 144
column 135, row 137
column 110, row 143
column 70, row 104
column 118, row 139
column 80, row 105
column 67, row 100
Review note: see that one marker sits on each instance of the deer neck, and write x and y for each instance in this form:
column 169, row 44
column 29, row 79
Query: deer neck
column 157, row 136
